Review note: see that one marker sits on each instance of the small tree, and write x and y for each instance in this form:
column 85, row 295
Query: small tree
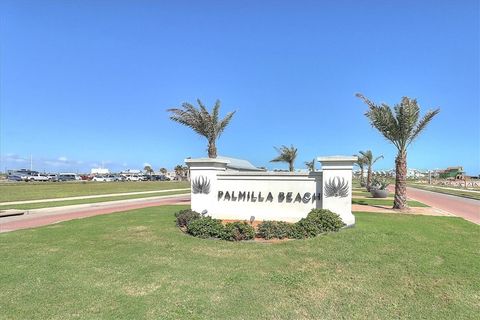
column 286, row 154
column 401, row 125
column 361, row 164
column 369, row 161
column 203, row 122
column 310, row 165
column 163, row 171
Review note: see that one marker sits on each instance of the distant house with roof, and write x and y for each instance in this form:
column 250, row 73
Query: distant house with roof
column 456, row 173
column 240, row 165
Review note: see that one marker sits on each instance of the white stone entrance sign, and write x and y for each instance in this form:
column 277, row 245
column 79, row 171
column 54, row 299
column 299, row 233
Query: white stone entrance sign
column 280, row 196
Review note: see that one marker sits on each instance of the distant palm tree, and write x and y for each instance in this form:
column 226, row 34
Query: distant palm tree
column 310, row 165
column 148, row 169
column 286, row 154
column 163, row 171
column 202, row 122
column 369, row 161
column 401, row 125
column 361, row 164
column 179, row 171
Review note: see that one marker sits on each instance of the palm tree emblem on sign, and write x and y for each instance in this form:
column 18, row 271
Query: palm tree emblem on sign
column 336, row 188
column 201, row 185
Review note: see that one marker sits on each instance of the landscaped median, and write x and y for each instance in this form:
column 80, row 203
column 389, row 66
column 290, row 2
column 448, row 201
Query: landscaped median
column 38, row 205
column 362, row 197
column 138, row 264
column 33, row 196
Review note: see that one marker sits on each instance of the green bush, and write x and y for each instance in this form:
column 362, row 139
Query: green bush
column 317, row 221
column 238, row 231
column 274, row 229
column 184, row 217
column 205, row 228
column 326, row 220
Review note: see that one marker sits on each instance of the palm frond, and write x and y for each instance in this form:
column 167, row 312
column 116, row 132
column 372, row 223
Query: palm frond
column 201, row 120
column 422, row 124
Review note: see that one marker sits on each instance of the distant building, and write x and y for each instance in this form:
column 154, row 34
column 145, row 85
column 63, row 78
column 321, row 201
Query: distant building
column 131, row 171
column 456, row 173
column 99, row 171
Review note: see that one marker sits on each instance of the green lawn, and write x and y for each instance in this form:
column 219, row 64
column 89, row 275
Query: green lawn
column 30, row 206
column 33, row 191
column 459, row 192
column 385, row 202
column 138, row 265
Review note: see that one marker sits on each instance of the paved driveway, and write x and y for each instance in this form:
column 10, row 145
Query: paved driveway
column 469, row 209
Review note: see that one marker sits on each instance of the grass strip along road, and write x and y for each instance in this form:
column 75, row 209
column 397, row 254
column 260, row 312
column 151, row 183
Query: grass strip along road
column 139, row 265
column 30, row 206
column 471, row 194
column 46, row 190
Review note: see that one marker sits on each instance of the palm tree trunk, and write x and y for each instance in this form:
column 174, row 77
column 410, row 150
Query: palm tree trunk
column 369, row 177
column 400, row 201
column 290, row 166
column 212, row 149
column 361, row 177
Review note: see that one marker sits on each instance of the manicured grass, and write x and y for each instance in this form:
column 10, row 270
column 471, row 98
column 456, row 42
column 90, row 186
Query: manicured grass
column 385, row 202
column 366, row 194
column 46, row 190
column 30, row 206
column 138, row 265
column 459, row 192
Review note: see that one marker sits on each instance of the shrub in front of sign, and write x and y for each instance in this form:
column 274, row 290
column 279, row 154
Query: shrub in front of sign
column 238, row 231
column 274, row 229
column 184, row 217
column 326, row 220
column 205, row 227
column 317, row 221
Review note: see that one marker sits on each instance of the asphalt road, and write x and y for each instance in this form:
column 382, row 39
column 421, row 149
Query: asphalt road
column 469, row 209
column 41, row 217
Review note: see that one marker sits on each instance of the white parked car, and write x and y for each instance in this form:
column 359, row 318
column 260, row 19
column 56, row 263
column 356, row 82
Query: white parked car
column 103, row 178
column 37, row 177
column 134, row 178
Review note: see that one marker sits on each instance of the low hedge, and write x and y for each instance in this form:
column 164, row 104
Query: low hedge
column 184, row 217
column 274, row 229
column 317, row 221
column 206, row 227
column 238, row 231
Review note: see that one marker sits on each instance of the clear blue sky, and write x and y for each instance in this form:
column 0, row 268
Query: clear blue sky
column 89, row 81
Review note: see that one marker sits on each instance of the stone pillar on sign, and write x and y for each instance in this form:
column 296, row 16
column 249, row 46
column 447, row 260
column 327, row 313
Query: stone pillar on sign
column 337, row 186
column 203, row 182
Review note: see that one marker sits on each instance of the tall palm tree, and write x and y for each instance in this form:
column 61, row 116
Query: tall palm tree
column 369, row 161
column 361, row 164
column 286, row 154
column 401, row 125
column 310, row 165
column 203, row 122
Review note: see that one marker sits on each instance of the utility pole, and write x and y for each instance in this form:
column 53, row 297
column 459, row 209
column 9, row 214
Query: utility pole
column 31, row 162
